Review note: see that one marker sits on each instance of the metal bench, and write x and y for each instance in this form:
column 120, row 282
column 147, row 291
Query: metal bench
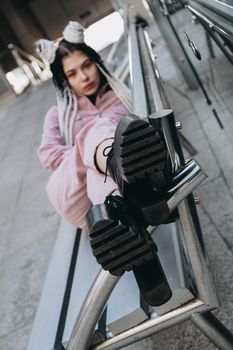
column 73, row 303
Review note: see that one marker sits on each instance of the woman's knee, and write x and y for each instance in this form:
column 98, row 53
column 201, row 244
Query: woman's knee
column 69, row 199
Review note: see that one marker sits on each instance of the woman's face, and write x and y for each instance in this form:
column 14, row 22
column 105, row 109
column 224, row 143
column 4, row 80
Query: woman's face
column 82, row 74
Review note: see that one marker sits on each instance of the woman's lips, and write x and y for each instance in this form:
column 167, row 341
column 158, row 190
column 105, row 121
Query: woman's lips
column 89, row 86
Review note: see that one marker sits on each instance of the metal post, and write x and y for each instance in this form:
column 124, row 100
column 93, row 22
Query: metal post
column 187, row 145
column 218, row 42
column 173, row 44
column 157, row 100
column 209, row 325
column 209, row 45
column 215, row 22
column 21, row 63
column 185, row 183
column 136, row 75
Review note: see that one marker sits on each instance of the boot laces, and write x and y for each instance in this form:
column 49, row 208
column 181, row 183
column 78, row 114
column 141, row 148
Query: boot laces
column 119, row 205
column 107, row 152
column 123, row 206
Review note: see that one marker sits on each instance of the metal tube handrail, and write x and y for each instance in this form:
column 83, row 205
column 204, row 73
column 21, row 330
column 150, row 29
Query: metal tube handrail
column 152, row 326
column 157, row 99
column 91, row 311
column 214, row 21
column 139, row 97
column 105, row 282
column 26, row 55
column 193, row 239
column 114, row 48
column 222, row 8
column 209, row 325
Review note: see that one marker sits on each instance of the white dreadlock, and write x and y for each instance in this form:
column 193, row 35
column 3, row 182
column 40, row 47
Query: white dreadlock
column 67, row 101
column 120, row 89
column 67, row 108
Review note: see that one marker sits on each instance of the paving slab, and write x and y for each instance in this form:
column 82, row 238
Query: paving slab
column 17, row 338
column 28, row 223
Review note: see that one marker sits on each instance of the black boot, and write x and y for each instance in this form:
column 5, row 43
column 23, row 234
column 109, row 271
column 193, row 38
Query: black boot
column 120, row 243
column 136, row 158
column 136, row 154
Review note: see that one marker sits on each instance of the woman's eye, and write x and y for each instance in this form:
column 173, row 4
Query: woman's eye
column 88, row 64
column 70, row 75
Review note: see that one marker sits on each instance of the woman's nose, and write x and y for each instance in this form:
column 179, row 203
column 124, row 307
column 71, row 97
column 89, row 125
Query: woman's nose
column 83, row 76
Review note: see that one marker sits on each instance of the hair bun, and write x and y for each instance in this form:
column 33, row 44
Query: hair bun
column 74, row 33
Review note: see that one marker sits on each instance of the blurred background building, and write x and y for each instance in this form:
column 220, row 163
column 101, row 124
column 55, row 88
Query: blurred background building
column 25, row 21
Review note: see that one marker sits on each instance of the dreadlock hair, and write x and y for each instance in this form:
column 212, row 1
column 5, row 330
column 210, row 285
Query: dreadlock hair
column 65, row 48
column 66, row 99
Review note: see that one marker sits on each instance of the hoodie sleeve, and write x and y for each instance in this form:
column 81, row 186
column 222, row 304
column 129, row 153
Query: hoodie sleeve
column 52, row 149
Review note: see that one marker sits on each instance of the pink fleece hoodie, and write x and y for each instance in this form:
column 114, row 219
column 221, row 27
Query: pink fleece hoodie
column 75, row 183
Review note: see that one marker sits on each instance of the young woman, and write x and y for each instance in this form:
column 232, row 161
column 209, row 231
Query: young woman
column 101, row 159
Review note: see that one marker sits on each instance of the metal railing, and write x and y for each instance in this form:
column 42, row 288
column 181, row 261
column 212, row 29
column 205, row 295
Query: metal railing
column 217, row 18
column 32, row 67
column 157, row 101
column 146, row 83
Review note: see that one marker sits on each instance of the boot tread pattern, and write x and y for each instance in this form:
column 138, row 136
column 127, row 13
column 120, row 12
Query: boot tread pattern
column 119, row 249
column 142, row 151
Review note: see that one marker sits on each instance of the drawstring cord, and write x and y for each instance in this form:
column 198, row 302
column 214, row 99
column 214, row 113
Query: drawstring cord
column 107, row 152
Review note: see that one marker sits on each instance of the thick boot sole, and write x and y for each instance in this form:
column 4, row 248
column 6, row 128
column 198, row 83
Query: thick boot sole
column 118, row 249
column 140, row 149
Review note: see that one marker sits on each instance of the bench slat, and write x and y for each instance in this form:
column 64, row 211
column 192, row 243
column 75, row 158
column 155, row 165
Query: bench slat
column 45, row 325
